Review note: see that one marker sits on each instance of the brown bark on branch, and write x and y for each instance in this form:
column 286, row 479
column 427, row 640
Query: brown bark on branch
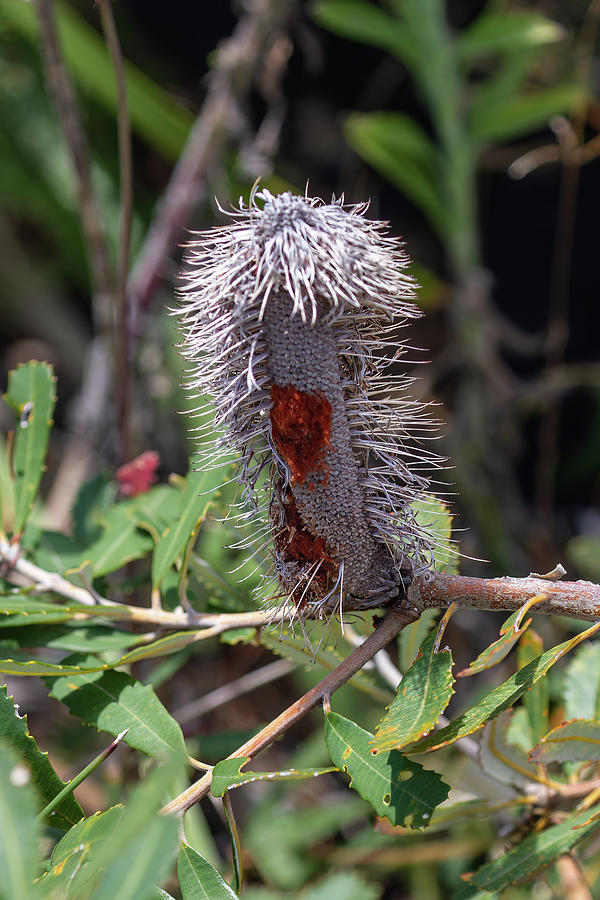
column 575, row 599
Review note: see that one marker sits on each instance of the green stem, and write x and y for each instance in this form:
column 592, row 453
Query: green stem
column 75, row 782
column 236, row 847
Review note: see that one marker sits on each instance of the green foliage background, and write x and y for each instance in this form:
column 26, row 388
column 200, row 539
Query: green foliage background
column 490, row 84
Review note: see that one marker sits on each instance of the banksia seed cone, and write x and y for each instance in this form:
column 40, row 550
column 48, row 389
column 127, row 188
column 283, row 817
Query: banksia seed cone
column 289, row 315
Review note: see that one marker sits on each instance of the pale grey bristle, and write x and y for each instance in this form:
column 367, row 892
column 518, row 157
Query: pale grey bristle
column 290, row 316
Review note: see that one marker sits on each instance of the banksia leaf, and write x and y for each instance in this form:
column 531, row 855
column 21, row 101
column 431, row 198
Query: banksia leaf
column 290, row 316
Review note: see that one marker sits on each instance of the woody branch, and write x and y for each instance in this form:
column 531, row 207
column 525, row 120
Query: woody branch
column 573, row 599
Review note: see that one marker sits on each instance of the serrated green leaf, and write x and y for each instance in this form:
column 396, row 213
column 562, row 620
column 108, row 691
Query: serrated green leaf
column 500, row 698
column 390, row 151
column 18, row 828
column 113, row 701
column 228, row 774
column 572, row 741
column 24, row 609
column 174, row 539
column 238, row 636
column 108, row 640
column 198, row 879
column 581, row 684
column 520, row 115
column 47, row 784
column 396, row 787
column 510, row 633
column 508, row 31
column 423, row 694
column 534, row 852
column 31, row 393
column 501, row 760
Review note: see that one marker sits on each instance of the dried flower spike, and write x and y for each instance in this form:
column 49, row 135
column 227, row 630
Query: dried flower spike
column 290, row 316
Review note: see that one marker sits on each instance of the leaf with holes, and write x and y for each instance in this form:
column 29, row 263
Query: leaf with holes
column 228, row 774
column 113, row 701
column 31, row 393
column 47, row 784
column 535, row 852
column 501, row 698
column 423, row 694
column 396, row 787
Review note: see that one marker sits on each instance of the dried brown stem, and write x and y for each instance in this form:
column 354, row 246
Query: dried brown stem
column 394, row 622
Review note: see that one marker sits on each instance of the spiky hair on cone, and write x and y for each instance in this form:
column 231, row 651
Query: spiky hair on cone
column 290, row 316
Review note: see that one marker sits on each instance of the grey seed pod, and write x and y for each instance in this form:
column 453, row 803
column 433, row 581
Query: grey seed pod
column 290, row 316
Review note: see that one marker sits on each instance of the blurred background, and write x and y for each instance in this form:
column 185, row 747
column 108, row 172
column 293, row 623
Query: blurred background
column 472, row 127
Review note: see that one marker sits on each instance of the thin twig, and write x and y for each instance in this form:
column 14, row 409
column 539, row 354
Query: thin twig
column 87, row 418
column 126, row 190
column 236, row 63
column 234, row 689
column 574, row 599
column 68, row 112
column 394, row 622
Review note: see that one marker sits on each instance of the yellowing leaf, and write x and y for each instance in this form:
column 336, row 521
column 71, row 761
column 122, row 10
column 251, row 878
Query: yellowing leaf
column 572, row 741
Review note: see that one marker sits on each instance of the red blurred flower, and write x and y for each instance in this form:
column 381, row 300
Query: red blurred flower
column 137, row 476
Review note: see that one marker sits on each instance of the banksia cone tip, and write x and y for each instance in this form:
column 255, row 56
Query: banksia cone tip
column 290, row 316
